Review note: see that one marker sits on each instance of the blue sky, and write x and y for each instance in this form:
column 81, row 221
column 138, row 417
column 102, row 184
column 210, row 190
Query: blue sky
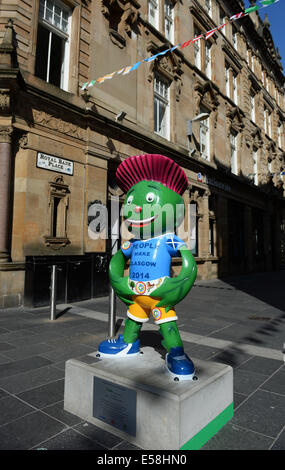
column 276, row 15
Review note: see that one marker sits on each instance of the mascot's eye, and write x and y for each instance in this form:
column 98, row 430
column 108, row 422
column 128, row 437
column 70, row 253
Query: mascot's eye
column 130, row 200
column 150, row 197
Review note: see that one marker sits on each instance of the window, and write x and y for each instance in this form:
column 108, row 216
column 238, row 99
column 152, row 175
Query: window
column 161, row 107
column 249, row 58
column 208, row 6
column 235, row 94
column 252, row 107
column 153, row 16
column 208, row 60
column 264, row 79
column 265, row 114
column 255, row 166
column 205, row 137
column 234, row 37
column 279, row 134
column 267, row 121
column 222, row 16
column 228, row 81
column 52, row 56
column 169, row 20
column 197, row 49
column 231, row 79
column 233, row 144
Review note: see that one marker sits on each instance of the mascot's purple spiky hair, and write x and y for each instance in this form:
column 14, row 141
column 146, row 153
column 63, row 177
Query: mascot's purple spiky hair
column 151, row 167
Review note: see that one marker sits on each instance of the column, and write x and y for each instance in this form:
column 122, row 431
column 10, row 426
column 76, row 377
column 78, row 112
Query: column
column 5, row 185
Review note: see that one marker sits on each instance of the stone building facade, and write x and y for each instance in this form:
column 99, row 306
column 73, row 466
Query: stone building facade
column 216, row 107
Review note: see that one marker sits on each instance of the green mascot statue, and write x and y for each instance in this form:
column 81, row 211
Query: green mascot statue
column 153, row 209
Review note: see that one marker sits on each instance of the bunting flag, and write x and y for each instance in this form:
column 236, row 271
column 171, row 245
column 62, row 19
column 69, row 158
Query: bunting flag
column 207, row 35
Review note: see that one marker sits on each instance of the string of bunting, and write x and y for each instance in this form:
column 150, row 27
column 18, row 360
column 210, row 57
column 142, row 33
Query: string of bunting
column 207, row 35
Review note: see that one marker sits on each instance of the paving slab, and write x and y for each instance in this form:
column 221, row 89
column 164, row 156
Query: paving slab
column 44, row 395
column 57, row 411
column 262, row 365
column 28, row 431
column 246, row 382
column 16, row 367
column 232, row 437
column 262, row 412
column 12, row 408
column 31, row 379
column 276, row 383
column 70, row 440
column 98, row 435
column 279, row 443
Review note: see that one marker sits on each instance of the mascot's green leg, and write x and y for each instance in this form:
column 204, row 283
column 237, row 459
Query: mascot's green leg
column 171, row 336
column 131, row 331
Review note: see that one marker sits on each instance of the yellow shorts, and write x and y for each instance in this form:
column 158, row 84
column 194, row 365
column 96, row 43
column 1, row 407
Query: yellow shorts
column 144, row 305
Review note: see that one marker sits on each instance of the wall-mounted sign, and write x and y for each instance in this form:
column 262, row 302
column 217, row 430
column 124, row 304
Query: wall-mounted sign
column 213, row 182
column 49, row 162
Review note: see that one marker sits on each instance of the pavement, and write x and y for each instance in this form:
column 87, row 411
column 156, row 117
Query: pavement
column 238, row 321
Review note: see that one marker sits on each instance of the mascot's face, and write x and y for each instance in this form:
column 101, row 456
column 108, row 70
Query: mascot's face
column 151, row 209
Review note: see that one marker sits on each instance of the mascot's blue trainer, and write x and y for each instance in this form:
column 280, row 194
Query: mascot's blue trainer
column 118, row 348
column 179, row 364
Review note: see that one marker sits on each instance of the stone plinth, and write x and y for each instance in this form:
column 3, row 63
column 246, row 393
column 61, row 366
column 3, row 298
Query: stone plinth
column 135, row 399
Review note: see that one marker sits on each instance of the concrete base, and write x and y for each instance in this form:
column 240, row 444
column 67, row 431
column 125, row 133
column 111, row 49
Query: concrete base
column 137, row 400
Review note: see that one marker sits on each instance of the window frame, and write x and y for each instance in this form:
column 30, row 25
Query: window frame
column 234, row 161
column 252, row 106
column 209, row 7
column 170, row 19
column 235, row 87
column 157, row 99
column 208, row 59
column 155, row 4
column 205, row 125
column 64, row 35
column 197, row 49
column 279, row 135
column 255, row 165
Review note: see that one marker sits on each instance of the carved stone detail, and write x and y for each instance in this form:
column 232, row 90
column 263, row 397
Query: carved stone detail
column 206, row 96
column 5, row 134
column 122, row 16
column 23, row 141
column 167, row 65
column 234, row 120
column 4, row 101
column 57, row 124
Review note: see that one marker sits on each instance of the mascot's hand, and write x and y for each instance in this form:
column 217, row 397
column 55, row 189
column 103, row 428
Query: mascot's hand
column 170, row 293
column 121, row 287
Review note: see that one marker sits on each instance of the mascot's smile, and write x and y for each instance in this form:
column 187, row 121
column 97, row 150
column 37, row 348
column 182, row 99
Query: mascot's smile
column 140, row 223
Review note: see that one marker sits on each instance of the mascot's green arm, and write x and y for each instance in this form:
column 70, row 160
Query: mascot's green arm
column 118, row 281
column 174, row 289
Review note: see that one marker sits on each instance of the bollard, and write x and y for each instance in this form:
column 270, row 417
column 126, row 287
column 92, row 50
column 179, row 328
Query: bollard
column 53, row 292
column 112, row 313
